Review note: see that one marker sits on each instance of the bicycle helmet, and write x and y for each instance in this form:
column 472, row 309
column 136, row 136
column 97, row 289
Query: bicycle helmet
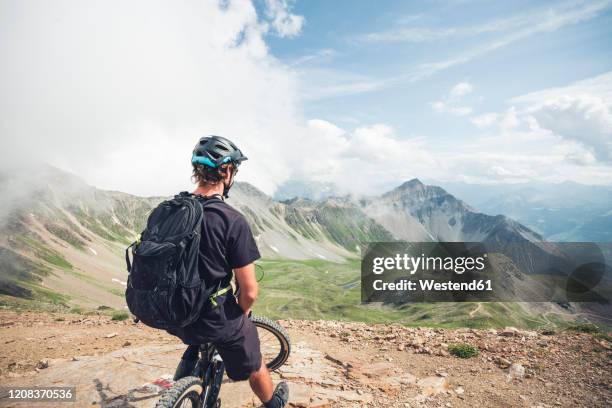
column 213, row 151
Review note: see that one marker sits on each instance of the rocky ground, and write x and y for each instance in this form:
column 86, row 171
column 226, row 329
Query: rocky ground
column 332, row 364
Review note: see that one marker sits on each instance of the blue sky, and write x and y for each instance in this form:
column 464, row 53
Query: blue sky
column 374, row 42
column 361, row 94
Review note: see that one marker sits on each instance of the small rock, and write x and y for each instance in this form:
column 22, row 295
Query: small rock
column 127, row 343
column 503, row 362
column 75, row 359
column 432, row 385
column 509, row 332
column 459, row 390
column 417, row 341
column 111, row 335
column 42, row 364
column 515, row 371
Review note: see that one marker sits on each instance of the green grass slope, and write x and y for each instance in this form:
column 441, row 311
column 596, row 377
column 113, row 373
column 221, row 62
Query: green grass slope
column 317, row 289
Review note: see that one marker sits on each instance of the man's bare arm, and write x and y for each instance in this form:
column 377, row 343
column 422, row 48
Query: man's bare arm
column 249, row 288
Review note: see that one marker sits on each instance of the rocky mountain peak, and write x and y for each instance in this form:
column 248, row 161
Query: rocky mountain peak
column 412, row 183
column 415, row 191
column 244, row 189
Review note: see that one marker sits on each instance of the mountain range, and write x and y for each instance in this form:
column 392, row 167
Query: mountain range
column 62, row 241
column 561, row 212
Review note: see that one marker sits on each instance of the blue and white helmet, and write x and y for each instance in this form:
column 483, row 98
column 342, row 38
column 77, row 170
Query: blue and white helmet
column 213, row 151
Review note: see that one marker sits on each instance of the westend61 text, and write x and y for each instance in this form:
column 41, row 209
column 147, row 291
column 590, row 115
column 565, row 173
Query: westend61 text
column 432, row 285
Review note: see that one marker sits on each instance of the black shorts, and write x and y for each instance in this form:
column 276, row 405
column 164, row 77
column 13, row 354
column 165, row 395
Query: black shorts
column 231, row 332
column 241, row 353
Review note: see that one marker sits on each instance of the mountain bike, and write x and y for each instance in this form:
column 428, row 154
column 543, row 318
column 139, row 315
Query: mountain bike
column 201, row 389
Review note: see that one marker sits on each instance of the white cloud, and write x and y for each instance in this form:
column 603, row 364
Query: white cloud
column 366, row 159
column 537, row 19
column 507, row 31
column 509, row 163
column 600, row 86
column 555, row 134
column 317, row 84
column 440, row 106
column 461, row 89
column 503, row 121
column 461, row 110
column 586, row 119
column 580, row 112
column 453, row 102
column 122, row 103
column 284, row 23
column 576, row 153
column 373, row 159
column 121, row 98
column 509, row 119
column 485, row 120
column 406, row 35
column 321, row 55
column 123, row 108
column 541, row 20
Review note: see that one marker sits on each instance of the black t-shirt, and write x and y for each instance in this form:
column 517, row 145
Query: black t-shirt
column 227, row 243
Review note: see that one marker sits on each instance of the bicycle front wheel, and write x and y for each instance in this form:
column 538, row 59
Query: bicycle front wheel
column 274, row 342
column 185, row 393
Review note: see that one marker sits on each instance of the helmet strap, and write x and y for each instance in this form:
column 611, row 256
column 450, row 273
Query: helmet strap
column 227, row 186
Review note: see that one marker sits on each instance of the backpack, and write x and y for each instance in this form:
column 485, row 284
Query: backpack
column 164, row 288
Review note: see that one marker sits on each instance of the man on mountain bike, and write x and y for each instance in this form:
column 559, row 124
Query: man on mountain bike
column 227, row 248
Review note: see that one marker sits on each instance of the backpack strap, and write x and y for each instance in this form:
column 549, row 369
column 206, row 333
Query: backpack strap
column 220, row 292
column 127, row 252
column 204, row 199
column 127, row 256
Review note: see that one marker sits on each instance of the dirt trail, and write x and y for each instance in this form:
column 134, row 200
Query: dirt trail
column 332, row 364
column 477, row 309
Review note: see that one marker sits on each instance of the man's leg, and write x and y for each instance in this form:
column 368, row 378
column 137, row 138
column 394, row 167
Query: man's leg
column 187, row 363
column 261, row 384
column 242, row 357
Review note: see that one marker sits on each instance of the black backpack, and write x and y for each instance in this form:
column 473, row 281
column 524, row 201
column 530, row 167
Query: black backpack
column 164, row 288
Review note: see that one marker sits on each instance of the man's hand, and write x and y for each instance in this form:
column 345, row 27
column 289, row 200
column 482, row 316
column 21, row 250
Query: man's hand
column 249, row 288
